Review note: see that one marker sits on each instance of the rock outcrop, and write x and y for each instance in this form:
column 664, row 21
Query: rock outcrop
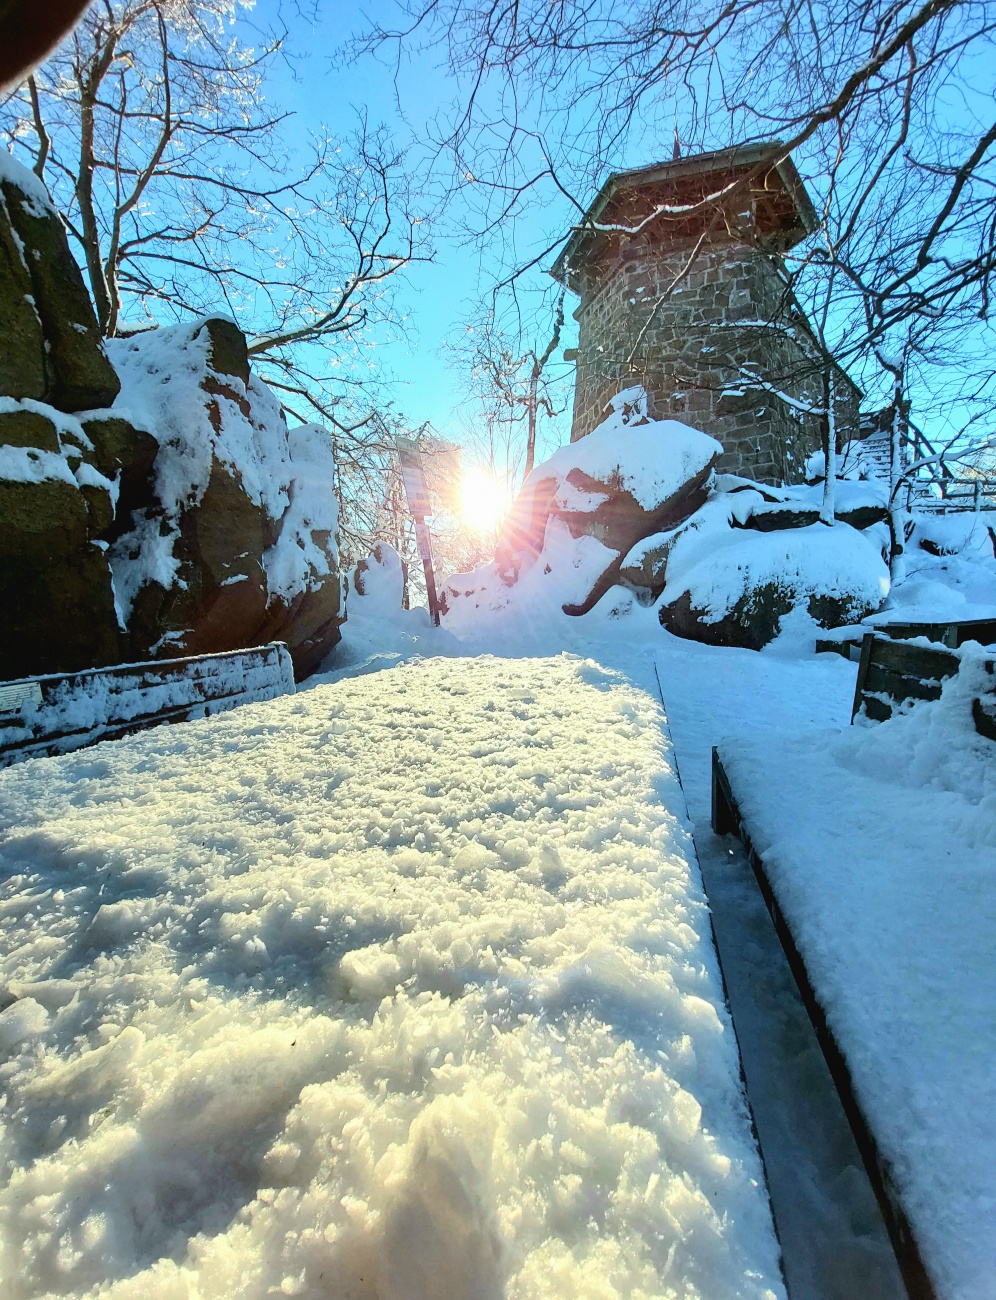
column 237, row 546
column 154, row 502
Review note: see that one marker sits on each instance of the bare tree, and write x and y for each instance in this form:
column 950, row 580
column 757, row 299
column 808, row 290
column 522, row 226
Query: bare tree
column 878, row 101
column 182, row 195
column 509, row 373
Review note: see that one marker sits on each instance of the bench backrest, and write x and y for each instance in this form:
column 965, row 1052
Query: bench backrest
column 891, row 673
column 952, row 635
column 66, row 711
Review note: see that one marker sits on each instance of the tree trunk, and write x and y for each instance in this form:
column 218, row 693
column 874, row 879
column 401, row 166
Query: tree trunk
column 531, row 407
column 898, row 515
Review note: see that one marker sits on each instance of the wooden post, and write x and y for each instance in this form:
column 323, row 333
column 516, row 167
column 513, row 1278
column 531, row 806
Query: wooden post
column 419, row 504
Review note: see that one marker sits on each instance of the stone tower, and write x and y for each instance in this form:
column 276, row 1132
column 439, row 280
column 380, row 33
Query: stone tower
column 679, row 270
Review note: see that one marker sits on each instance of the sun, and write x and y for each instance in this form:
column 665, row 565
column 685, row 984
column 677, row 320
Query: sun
column 483, row 499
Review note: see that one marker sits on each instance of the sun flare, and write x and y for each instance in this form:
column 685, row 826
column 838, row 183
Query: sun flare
column 483, row 499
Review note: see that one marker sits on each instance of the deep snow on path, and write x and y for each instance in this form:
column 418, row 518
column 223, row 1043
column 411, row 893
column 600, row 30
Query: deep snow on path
column 834, row 1241
column 400, row 987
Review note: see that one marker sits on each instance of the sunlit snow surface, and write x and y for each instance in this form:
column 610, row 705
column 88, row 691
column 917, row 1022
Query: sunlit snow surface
column 400, row 987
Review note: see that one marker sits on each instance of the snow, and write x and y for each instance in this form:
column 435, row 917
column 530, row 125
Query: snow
column 834, row 1242
column 880, row 845
column 405, row 981
column 650, row 460
column 717, row 565
column 31, row 465
column 563, row 574
column 378, row 583
column 36, row 198
column 958, row 585
column 297, row 558
column 161, row 372
column 36, row 465
column 142, row 555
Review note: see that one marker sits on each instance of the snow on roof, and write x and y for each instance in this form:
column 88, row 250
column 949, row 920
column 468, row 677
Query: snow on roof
column 406, row 982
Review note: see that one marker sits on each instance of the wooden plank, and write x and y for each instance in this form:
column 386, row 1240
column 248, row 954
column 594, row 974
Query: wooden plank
column 984, row 716
column 904, row 1243
column 900, row 686
column 915, row 660
column 952, row 634
column 867, row 645
column 724, row 813
column 892, row 672
column 847, row 649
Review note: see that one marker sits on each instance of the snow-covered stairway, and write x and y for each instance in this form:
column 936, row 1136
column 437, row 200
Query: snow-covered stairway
column 398, row 987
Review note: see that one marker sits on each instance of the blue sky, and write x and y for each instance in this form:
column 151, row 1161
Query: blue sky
column 326, row 92
column 437, row 296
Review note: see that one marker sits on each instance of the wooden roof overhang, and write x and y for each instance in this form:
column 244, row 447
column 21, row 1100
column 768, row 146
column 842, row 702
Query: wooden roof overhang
column 751, row 192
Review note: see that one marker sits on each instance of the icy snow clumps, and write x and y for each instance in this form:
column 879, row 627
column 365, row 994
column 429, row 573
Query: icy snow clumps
column 399, row 988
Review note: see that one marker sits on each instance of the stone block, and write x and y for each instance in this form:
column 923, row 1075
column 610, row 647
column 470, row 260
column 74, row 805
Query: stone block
column 42, row 521
column 78, row 374
column 28, row 429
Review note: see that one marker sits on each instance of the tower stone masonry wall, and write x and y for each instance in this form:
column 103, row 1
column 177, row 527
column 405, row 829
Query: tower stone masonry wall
column 694, row 349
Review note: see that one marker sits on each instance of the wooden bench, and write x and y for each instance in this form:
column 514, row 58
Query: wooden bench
column 55, row 714
column 952, row 635
column 892, row 673
column 727, row 819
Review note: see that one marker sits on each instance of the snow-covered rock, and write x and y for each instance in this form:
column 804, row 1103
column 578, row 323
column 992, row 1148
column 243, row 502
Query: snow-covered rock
column 744, row 504
column 239, row 544
column 379, row 582
column 580, row 511
column 728, row 585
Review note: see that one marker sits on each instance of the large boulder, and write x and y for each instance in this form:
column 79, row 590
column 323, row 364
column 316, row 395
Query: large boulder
column 238, row 544
column 582, row 510
column 760, row 507
column 727, row 585
column 56, row 598
column 52, row 345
